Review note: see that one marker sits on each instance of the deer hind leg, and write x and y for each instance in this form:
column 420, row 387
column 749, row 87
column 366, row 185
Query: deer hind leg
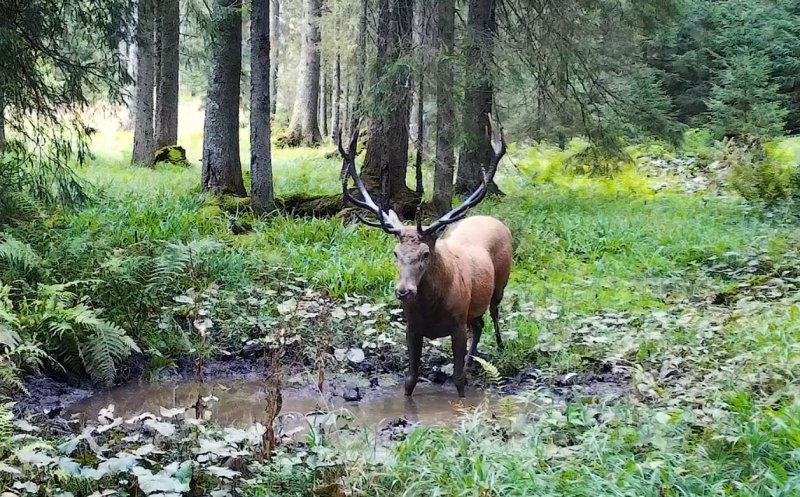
column 477, row 329
column 414, row 343
column 459, row 356
column 494, row 311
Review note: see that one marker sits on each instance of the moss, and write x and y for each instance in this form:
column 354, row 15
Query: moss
column 174, row 154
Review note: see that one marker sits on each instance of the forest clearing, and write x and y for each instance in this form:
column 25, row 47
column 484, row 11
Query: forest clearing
column 190, row 303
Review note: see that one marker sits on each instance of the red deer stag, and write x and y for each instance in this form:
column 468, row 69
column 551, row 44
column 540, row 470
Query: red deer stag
column 445, row 284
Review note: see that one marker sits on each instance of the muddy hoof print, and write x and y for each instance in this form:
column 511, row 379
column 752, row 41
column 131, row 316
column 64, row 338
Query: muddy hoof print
column 397, row 430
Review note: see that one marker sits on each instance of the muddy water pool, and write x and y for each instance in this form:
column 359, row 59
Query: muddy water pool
column 242, row 402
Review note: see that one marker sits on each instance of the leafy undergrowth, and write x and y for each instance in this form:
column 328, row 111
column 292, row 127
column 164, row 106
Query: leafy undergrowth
column 686, row 296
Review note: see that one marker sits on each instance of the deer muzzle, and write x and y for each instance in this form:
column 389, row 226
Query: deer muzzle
column 405, row 293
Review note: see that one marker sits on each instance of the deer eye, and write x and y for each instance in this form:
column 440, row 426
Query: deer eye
column 425, row 255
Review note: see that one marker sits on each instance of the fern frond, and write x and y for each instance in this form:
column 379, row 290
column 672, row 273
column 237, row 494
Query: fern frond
column 8, row 337
column 490, row 369
column 177, row 257
column 105, row 347
column 17, row 255
column 57, row 295
column 10, row 377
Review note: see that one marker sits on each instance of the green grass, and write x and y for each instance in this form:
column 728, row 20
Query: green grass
column 688, row 300
column 582, row 245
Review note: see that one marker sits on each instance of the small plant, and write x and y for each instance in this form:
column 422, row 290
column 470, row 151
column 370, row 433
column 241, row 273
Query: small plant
column 491, row 371
column 273, row 386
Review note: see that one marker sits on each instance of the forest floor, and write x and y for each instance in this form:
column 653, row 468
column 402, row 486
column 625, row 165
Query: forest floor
column 651, row 323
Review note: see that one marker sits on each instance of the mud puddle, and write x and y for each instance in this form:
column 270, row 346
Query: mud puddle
column 242, row 402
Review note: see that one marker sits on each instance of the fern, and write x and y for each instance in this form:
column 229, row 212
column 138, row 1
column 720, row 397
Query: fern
column 490, row 369
column 9, row 338
column 6, row 430
column 177, row 258
column 17, row 255
column 10, row 377
column 106, row 346
column 76, row 335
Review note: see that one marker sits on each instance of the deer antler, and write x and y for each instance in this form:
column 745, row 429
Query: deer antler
column 387, row 219
column 460, row 212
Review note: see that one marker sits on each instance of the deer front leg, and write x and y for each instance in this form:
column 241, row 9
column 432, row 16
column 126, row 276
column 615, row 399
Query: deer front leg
column 414, row 343
column 459, row 356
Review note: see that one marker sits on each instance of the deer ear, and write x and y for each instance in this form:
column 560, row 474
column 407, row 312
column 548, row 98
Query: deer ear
column 394, row 217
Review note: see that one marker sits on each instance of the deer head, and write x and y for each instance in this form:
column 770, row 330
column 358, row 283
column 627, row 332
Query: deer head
column 414, row 251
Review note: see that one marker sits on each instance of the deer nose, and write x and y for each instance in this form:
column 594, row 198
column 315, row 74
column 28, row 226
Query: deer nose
column 404, row 293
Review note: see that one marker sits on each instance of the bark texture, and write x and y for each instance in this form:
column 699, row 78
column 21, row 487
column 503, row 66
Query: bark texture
column 274, row 54
column 444, row 169
column 337, row 100
column 143, row 133
column 323, row 104
column 476, row 150
column 304, row 126
column 2, row 124
column 166, row 119
column 222, row 168
column 361, row 68
column 348, row 111
column 386, row 158
column 127, row 53
column 262, row 191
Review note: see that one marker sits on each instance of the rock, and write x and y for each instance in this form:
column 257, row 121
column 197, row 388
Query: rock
column 252, row 350
column 352, row 394
column 355, row 355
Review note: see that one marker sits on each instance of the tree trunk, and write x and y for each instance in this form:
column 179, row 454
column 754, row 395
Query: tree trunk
column 127, row 55
column 361, row 67
column 304, row 127
column 387, row 148
column 476, row 150
column 222, row 169
column 274, row 33
column 348, row 111
column 262, row 192
column 323, row 103
column 143, row 139
column 166, row 121
column 157, row 39
column 337, row 100
column 445, row 110
column 421, row 60
column 2, row 124
column 420, row 140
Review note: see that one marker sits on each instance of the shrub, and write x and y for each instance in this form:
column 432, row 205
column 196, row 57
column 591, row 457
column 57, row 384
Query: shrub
column 754, row 173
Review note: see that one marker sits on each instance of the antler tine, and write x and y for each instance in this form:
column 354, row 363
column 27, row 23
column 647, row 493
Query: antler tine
column 341, row 148
column 475, row 198
column 385, row 222
column 367, row 221
column 498, row 151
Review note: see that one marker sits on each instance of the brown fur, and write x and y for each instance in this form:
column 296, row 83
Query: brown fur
column 448, row 291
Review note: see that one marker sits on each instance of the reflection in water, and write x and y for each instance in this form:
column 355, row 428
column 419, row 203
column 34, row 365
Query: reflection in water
column 243, row 403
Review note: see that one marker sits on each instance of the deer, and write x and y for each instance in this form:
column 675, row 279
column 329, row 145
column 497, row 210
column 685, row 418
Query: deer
column 447, row 278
